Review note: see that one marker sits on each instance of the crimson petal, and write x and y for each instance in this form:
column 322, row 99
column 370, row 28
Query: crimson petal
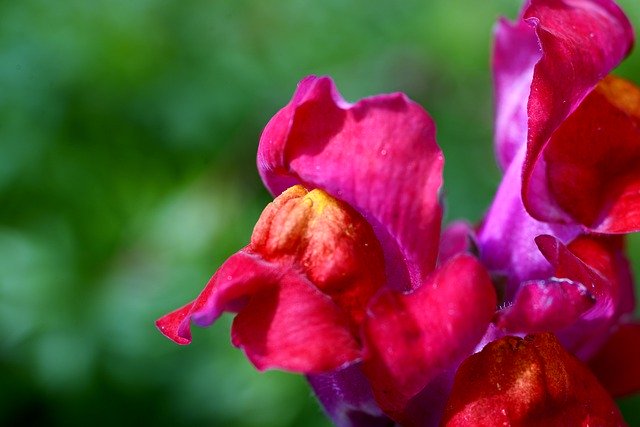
column 581, row 41
column 458, row 237
column 528, row 382
column 592, row 159
column 295, row 327
column 283, row 320
column 546, row 305
column 379, row 155
column 412, row 338
column 616, row 364
column 594, row 261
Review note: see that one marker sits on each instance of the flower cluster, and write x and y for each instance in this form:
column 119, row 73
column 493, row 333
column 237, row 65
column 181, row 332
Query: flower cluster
column 525, row 319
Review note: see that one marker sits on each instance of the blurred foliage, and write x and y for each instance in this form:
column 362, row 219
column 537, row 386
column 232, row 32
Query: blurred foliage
column 128, row 133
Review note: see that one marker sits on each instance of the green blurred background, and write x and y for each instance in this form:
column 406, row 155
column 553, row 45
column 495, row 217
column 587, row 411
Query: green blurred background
column 128, row 132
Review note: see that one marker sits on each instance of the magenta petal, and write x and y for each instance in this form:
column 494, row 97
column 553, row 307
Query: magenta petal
column 347, row 398
column 378, row 155
column 412, row 338
column 516, row 51
column 593, row 327
column 506, row 238
column 582, row 41
column 546, row 306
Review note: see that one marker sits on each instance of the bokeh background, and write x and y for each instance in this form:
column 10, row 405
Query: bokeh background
column 128, row 132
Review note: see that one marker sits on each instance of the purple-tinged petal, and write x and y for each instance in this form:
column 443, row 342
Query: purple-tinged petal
column 412, row 338
column 616, row 363
column 582, row 41
column 516, row 51
column 528, row 382
column 426, row 408
column 592, row 160
column 545, row 306
column 593, row 261
column 378, row 155
column 347, row 398
column 506, row 238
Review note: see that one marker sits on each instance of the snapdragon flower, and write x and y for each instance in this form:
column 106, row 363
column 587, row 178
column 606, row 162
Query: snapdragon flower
column 348, row 279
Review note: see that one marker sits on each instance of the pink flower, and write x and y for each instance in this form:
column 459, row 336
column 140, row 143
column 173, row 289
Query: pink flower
column 348, row 280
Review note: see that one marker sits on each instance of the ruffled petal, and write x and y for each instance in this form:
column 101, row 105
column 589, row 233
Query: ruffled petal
column 592, row 160
column 240, row 276
column 378, row 155
column 300, row 288
column 582, row 41
column 412, row 338
column 617, row 363
column 284, row 321
column 528, row 382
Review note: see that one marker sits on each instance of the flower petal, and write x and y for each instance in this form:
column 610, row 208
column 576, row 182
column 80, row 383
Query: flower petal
column 582, row 41
column 592, row 159
column 301, row 287
column 516, row 51
column 284, row 321
column 378, row 155
column 527, row 382
column 506, row 238
column 597, row 263
column 546, row 305
column 616, row 364
column 241, row 275
column 412, row 338
column 347, row 398
column 328, row 241
column 293, row 326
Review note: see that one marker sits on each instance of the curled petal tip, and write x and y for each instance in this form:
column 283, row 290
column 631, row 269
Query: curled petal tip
column 175, row 325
